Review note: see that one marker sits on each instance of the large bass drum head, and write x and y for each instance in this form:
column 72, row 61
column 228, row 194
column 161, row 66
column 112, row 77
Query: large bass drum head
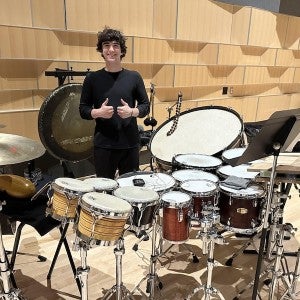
column 62, row 131
column 205, row 130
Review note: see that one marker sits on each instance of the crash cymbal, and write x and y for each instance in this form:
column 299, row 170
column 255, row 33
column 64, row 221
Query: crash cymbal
column 15, row 149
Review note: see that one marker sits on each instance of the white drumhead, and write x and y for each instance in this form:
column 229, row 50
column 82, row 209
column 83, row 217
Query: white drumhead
column 250, row 191
column 175, row 197
column 207, row 130
column 238, row 171
column 73, row 184
column 198, row 160
column 190, row 174
column 100, row 183
column 233, row 153
column 154, row 181
column 199, row 186
column 106, row 202
column 136, row 194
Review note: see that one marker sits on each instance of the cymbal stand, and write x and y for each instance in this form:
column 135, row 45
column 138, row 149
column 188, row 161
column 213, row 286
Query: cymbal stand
column 83, row 270
column 209, row 236
column 152, row 277
column 9, row 293
column 280, row 272
column 119, row 289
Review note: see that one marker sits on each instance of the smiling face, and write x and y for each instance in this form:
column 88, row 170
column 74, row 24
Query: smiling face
column 111, row 52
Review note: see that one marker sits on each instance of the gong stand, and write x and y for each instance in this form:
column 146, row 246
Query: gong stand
column 62, row 74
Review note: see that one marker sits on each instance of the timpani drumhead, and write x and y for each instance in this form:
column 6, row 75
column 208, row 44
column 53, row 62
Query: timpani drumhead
column 62, row 131
column 206, row 130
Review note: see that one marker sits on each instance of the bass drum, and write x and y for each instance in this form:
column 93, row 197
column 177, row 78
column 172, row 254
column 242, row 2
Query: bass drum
column 205, row 130
column 62, row 131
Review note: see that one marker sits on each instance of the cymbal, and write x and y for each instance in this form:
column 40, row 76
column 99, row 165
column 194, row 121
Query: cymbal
column 15, row 149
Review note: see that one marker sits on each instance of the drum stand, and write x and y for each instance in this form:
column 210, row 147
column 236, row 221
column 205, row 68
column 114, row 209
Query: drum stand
column 152, row 278
column 119, row 289
column 6, row 275
column 209, row 236
column 82, row 272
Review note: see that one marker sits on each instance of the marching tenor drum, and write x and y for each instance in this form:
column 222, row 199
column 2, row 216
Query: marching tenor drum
column 175, row 216
column 102, row 218
column 144, row 203
column 101, row 184
column 202, row 162
column 240, row 209
column 66, row 194
column 203, row 193
column 159, row 182
column 207, row 130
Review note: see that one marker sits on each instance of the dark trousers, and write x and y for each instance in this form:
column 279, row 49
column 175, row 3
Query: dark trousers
column 108, row 161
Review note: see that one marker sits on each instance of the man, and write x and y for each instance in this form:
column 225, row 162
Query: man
column 114, row 97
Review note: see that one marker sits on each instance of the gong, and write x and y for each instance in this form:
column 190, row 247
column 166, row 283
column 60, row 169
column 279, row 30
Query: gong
column 62, row 131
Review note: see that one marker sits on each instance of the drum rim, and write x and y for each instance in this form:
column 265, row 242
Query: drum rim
column 207, row 193
column 197, row 170
column 245, row 196
column 167, row 163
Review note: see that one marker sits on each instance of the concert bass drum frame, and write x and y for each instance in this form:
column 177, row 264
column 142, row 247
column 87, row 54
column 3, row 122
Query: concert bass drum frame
column 62, row 131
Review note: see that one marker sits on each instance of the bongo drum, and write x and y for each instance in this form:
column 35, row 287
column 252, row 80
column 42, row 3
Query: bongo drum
column 144, row 203
column 159, row 182
column 175, row 216
column 203, row 193
column 193, row 174
column 207, row 130
column 102, row 218
column 101, row 184
column 240, row 209
column 66, row 194
column 196, row 161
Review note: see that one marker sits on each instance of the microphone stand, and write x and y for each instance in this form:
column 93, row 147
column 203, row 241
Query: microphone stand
column 150, row 120
column 276, row 147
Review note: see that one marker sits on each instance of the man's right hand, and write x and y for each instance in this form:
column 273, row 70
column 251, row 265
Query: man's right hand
column 105, row 111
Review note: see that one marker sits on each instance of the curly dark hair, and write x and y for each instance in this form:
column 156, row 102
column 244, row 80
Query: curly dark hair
column 109, row 35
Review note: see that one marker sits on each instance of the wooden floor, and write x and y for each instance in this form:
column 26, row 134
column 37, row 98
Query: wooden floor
column 176, row 271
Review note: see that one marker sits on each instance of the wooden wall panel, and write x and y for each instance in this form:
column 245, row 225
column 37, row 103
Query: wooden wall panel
column 48, row 13
column 15, row 12
column 267, row 29
column 268, row 105
column 208, row 54
column 164, row 18
column 201, row 20
column 255, row 89
column 292, row 40
column 21, row 123
column 297, row 75
column 295, row 101
column 240, row 25
column 132, row 17
column 207, row 75
column 16, row 100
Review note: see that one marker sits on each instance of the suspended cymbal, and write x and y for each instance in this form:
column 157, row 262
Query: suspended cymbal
column 15, row 149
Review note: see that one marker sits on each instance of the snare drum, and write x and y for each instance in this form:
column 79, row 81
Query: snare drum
column 159, row 182
column 191, row 174
column 66, row 195
column 203, row 193
column 240, row 209
column 144, row 202
column 196, row 161
column 233, row 153
column 102, row 185
column 102, row 218
column 237, row 171
column 175, row 221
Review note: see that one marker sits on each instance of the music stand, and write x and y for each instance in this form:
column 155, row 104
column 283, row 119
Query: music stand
column 281, row 129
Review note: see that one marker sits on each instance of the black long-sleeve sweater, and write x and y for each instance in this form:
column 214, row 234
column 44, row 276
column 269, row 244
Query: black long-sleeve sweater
column 114, row 133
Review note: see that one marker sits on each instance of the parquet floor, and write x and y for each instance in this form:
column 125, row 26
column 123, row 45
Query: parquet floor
column 175, row 269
